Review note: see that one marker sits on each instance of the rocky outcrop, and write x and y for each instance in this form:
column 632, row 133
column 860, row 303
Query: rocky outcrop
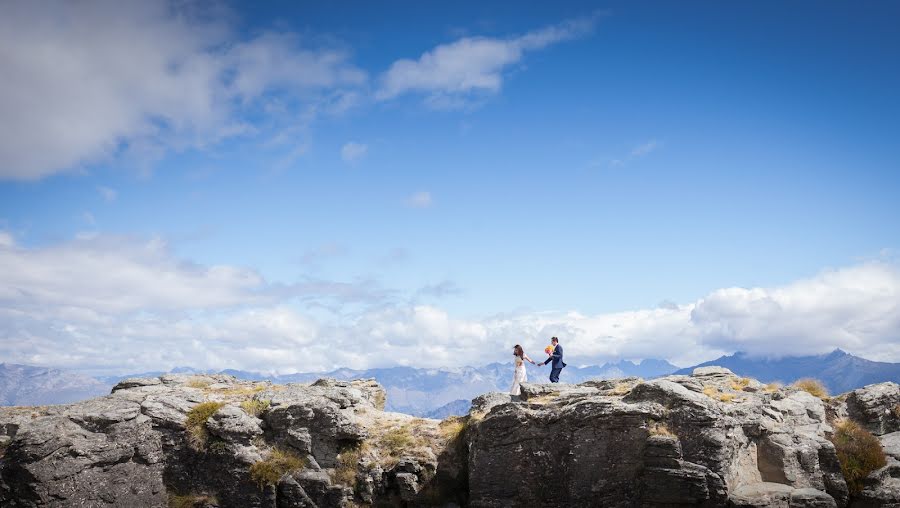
column 706, row 439
column 709, row 439
column 138, row 447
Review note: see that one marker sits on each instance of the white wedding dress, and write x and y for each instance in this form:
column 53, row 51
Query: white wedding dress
column 519, row 376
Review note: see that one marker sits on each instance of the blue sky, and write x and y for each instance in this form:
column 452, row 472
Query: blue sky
column 406, row 181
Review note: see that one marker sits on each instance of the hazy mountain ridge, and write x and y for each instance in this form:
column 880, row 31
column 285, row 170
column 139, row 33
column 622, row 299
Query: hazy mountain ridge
column 838, row 370
column 26, row 385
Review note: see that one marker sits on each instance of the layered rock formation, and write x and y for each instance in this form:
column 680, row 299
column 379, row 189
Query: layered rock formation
column 137, row 447
column 707, row 439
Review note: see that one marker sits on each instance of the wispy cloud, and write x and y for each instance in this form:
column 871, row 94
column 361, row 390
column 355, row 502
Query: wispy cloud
column 108, row 193
column 448, row 74
column 352, row 151
column 421, row 199
column 639, row 151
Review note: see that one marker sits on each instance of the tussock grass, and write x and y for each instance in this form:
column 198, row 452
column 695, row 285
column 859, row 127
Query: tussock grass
column 772, row 387
column 268, row 471
column 858, row 451
column 812, row 386
column 714, row 393
column 198, row 382
column 620, row 389
column 380, row 400
column 254, row 407
column 739, row 384
column 660, row 429
column 348, row 465
column 195, row 423
column 453, row 427
column 191, row 501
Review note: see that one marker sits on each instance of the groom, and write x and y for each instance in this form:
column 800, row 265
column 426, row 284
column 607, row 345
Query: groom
column 557, row 358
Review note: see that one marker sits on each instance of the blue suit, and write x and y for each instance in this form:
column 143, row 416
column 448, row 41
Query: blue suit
column 558, row 363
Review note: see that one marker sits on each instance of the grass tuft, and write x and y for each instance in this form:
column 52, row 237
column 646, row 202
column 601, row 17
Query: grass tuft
column 195, row 423
column 198, row 382
column 191, row 501
column 739, row 384
column 660, row 429
column 858, row 451
column 348, row 465
column 270, row 470
column 772, row 387
column 620, row 389
column 812, row 386
column 254, row 407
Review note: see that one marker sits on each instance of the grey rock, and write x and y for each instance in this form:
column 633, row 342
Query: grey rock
column 712, row 371
column 408, row 484
column 877, row 407
column 232, row 424
column 484, row 403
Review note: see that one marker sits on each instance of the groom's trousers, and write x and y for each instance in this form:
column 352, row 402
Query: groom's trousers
column 554, row 375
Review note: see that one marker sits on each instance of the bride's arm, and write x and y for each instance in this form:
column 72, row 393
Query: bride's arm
column 529, row 359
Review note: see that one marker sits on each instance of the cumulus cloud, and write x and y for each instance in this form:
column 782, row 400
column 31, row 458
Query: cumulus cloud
column 421, row 199
column 113, row 304
column 352, row 151
column 85, row 81
column 449, row 72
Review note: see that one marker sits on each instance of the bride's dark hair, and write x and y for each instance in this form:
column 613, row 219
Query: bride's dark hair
column 518, row 351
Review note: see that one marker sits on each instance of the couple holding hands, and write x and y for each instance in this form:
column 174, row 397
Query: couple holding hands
column 554, row 355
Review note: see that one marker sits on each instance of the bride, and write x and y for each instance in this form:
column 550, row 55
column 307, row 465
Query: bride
column 519, row 375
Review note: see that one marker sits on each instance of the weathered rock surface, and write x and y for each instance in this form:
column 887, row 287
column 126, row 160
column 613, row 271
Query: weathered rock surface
column 707, row 439
column 133, row 448
column 662, row 443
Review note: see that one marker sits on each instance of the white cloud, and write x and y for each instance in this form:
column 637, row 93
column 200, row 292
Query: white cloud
column 352, row 152
column 449, row 72
column 108, row 193
column 122, row 305
column 421, row 199
column 82, row 81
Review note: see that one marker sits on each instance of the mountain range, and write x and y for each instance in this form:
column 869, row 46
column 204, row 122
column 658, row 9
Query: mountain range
column 839, row 371
column 438, row 393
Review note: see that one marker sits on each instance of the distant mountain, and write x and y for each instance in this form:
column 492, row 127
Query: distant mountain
column 425, row 392
column 455, row 408
column 422, row 392
column 838, row 370
column 25, row 385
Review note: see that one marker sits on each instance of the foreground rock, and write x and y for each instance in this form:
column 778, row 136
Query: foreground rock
column 708, row 439
column 136, row 448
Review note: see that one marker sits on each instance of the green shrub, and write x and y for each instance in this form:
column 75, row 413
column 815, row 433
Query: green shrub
column 254, row 407
column 812, row 386
column 195, row 423
column 270, row 470
column 858, row 451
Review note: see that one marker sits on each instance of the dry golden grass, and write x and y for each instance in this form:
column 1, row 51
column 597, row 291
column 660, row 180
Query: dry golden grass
column 198, row 382
column 195, row 423
column 544, row 399
column 380, row 400
column 812, row 386
column 241, row 391
column 858, row 451
column 254, row 407
column 714, row 393
column 660, row 429
column 348, row 465
column 452, row 427
column 620, row 389
column 772, row 387
column 191, row 500
column 270, row 470
column 739, row 384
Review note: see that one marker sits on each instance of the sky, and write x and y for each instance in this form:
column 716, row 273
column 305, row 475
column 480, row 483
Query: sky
column 299, row 186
